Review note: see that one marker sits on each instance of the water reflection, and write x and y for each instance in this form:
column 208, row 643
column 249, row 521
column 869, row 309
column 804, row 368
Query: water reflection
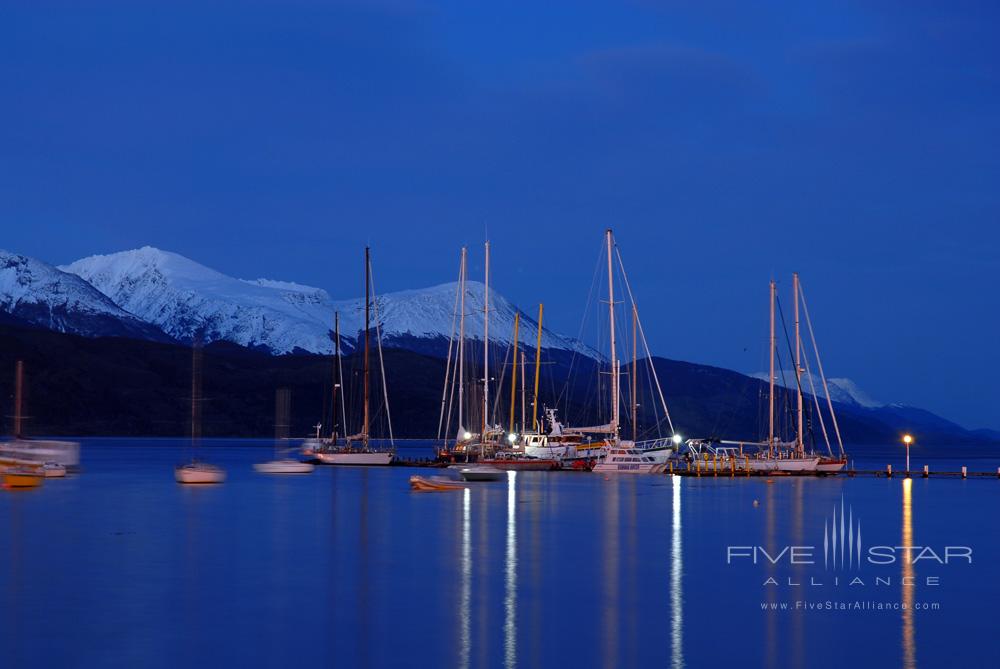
column 909, row 640
column 510, row 575
column 676, row 569
column 465, row 595
column 610, row 591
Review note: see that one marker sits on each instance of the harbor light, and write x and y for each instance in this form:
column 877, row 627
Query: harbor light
column 512, row 437
column 677, row 439
column 907, row 439
column 466, row 435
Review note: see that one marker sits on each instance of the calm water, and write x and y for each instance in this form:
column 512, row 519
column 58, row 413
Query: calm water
column 120, row 566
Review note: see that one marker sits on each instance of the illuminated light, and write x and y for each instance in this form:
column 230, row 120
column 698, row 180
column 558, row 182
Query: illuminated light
column 677, row 439
column 512, row 437
column 907, row 439
column 466, row 435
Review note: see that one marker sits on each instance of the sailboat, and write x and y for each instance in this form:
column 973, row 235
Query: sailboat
column 196, row 471
column 21, row 451
column 282, row 465
column 357, row 449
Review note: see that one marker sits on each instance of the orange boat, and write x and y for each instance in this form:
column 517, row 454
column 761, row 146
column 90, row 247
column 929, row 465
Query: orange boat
column 21, row 477
column 434, row 484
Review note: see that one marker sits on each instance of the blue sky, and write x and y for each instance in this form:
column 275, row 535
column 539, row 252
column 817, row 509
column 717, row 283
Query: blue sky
column 725, row 142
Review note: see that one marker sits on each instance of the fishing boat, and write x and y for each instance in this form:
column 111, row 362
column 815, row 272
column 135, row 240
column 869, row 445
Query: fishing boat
column 21, row 477
column 357, row 449
column 197, row 472
column 434, row 484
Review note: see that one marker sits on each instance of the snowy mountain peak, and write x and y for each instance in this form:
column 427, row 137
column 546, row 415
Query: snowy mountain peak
column 842, row 390
column 36, row 293
column 187, row 299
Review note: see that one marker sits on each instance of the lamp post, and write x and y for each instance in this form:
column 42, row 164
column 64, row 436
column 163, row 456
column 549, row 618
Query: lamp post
column 907, row 439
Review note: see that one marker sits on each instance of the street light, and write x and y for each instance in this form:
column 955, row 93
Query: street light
column 907, row 439
column 677, row 439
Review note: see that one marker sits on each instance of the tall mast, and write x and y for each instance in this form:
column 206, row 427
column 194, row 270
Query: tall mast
column 196, row 391
column 340, row 377
column 18, row 398
column 523, row 403
column 461, row 340
column 799, row 443
column 364, row 429
column 486, row 346
column 770, row 378
column 538, row 365
column 513, row 375
column 635, row 375
column 611, row 322
column 336, row 380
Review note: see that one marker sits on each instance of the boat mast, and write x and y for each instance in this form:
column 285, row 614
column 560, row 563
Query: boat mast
column 635, row 375
column 770, row 378
column 336, row 374
column 799, row 443
column 538, row 365
column 461, row 342
column 523, row 403
column 611, row 321
column 364, row 429
column 18, row 398
column 486, row 346
column 513, row 375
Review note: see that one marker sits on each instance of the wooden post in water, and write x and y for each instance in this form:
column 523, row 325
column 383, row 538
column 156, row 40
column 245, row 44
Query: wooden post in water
column 965, row 472
column 927, row 472
column 888, row 471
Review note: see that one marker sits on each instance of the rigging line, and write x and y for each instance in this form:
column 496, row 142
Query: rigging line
column 798, row 381
column 451, row 403
column 567, row 388
column 819, row 363
column 819, row 412
column 447, row 367
column 381, row 360
column 645, row 344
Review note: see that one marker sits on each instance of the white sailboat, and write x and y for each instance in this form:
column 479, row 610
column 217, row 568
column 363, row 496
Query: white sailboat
column 196, row 471
column 282, row 465
column 20, row 451
column 357, row 449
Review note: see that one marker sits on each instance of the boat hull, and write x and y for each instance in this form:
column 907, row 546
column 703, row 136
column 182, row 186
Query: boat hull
column 434, row 484
column 627, row 468
column 21, row 478
column 199, row 474
column 528, row 464
column 358, row 458
column 482, row 474
column 284, row 467
column 831, row 465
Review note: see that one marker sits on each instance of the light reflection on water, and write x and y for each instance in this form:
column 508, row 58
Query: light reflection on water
column 348, row 567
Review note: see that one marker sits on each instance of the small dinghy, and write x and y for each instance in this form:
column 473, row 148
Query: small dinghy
column 21, row 477
column 286, row 466
column 53, row 470
column 199, row 472
column 434, row 484
column 482, row 473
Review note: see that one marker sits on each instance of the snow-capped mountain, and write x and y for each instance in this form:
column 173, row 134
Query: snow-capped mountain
column 35, row 293
column 842, row 390
column 185, row 299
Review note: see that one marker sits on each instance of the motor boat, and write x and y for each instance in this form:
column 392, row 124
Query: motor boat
column 199, row 473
